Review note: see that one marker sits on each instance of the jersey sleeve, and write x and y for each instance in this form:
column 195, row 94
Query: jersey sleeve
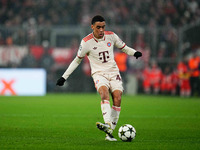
column 74, row 64
column 121, row 45
column 83, row 50
column 118, row 42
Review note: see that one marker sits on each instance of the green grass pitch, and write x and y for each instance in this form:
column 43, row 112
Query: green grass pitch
column 67, row 121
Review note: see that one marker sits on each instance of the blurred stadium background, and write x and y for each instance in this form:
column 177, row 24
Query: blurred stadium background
column 46, row 34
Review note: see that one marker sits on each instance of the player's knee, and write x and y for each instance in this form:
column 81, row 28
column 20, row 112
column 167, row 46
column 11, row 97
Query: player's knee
column 104, row 97
column 117, row 98
column 117, row 102
column 104, row 93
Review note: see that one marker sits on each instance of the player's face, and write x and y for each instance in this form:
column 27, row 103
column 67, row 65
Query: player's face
column 98, row 29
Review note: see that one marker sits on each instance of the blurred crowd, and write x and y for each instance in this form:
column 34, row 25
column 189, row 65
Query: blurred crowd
column 24, row 20
column 128, row 12
column 181, row 79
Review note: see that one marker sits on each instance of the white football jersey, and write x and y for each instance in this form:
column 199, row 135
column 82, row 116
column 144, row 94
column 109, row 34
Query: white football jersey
column 100, row 51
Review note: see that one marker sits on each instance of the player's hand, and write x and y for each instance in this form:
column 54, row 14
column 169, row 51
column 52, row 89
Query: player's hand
column 60, row 81
column 137, row 54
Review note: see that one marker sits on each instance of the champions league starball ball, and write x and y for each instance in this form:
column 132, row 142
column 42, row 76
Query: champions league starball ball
column 127, row 133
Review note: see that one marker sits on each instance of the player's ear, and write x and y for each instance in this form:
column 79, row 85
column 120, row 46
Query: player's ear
column 92, row 26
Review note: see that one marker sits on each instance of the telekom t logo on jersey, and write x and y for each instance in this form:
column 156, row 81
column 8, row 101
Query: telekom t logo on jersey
column 104, row 56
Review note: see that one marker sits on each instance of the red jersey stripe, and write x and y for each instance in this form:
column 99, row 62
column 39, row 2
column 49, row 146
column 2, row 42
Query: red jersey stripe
column 123, row 46
column 116, row 108
column 108, row 32
column 80, row 57
column 105, row 102
column 90, row 36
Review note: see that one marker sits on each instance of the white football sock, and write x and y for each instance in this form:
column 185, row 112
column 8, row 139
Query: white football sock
column 115, row 111
column 106, row 110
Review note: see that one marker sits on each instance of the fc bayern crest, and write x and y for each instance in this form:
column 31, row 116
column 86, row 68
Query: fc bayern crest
column 108, row 44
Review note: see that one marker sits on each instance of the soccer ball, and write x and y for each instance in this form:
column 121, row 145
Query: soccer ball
column 127, row 133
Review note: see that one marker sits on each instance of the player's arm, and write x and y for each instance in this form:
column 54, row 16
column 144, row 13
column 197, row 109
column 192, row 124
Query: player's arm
column 74, row 64
column 126, row 49
column 131, row 52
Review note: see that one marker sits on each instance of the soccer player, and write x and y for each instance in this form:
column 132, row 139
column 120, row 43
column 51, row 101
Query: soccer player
column 98, row 46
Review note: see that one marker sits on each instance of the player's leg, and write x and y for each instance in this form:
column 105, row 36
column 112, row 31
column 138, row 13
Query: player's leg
column 116, row 108
column 146, row 86
column 102, row 86
column 106, row 112
column 116, row 92
column 156, row 88
column 105, row 103
column 188, row 88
